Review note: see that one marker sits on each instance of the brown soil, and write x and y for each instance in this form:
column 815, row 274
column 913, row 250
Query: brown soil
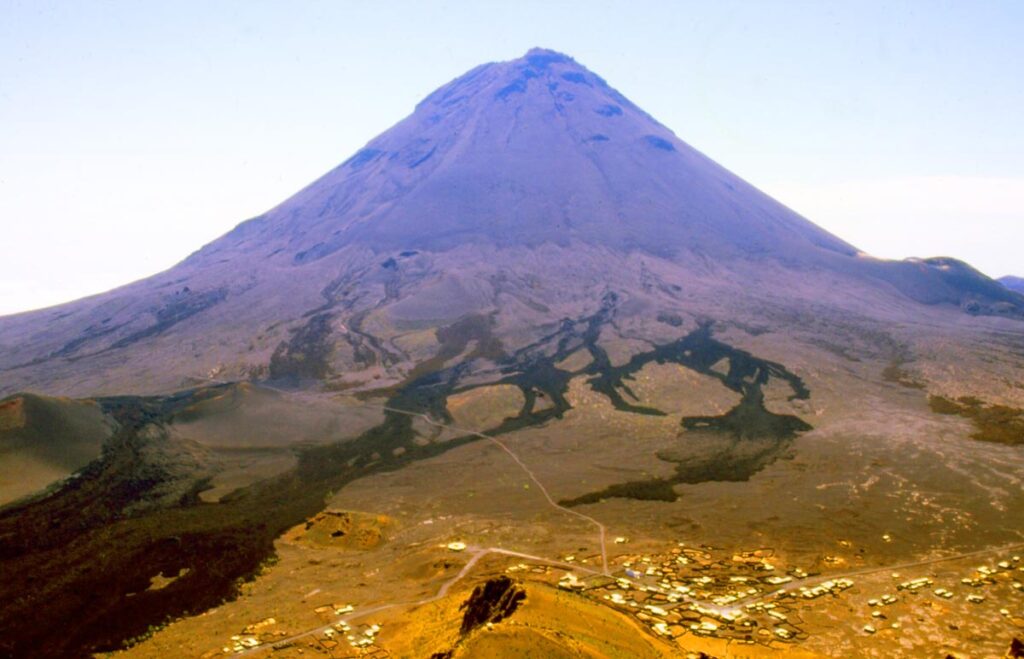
column 342, row 529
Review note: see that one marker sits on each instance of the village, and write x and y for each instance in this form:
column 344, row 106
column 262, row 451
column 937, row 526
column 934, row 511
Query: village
column 746, row 597
column 701, row 591
column 340, row 638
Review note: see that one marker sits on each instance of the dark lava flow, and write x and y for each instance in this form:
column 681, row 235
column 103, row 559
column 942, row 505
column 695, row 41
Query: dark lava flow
column 491, row 601
column 77, row 563
column 730, row 447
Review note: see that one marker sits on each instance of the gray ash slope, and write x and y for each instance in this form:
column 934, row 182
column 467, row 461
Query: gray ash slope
column 1013, row 283
column 522, row 153
column 522, row 191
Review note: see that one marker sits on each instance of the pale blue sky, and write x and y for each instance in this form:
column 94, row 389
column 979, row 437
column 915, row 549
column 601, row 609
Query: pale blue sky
column 131, row 133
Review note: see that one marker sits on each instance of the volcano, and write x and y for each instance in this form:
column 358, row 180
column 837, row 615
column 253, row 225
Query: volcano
column 525, row 329
column 523, row 189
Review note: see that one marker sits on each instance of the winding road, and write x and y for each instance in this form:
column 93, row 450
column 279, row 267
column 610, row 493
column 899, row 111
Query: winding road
column 540, row 486
column 477, row 553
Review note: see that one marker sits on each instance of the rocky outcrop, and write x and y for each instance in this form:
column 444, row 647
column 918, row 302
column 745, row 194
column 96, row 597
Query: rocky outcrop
column 491, row 602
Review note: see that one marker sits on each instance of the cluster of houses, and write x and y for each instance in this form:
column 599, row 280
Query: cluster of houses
column 985, row 575
column 242, row 643
column 361, row 638
column 252, row 636
column 533, row 569
column 742, row 598
column 691, row 591
column 830, row 587
column 982, row 576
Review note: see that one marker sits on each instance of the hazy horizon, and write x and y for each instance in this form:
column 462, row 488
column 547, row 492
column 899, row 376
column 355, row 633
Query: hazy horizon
column 132, row 136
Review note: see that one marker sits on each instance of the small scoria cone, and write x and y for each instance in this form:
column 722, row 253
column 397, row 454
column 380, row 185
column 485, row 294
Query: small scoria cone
column 492, row 601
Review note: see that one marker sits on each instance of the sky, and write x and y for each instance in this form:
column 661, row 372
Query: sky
column 132, row 133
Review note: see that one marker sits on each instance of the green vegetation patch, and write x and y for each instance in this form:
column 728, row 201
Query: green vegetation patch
column 1000, row 424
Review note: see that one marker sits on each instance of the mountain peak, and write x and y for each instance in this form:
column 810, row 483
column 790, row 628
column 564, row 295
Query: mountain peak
column 541, row 57
column 529, row 187
column 506, row 79
column 535, row 150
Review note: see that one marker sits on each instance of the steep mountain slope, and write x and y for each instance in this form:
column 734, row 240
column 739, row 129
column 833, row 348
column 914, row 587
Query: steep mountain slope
column 502, row 186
